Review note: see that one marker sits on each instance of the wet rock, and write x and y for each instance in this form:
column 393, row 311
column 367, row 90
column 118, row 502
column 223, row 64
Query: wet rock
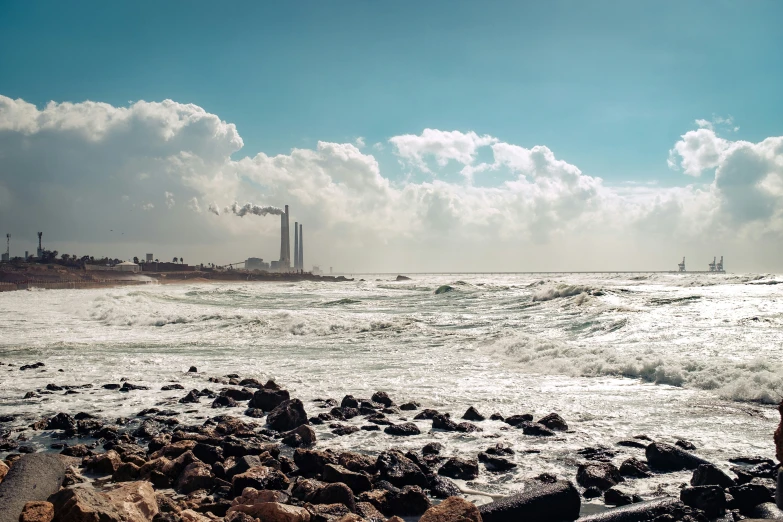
column 336, row 493
column 273, row 512
column 268, row 400
column 208, row 453
column 223, row 401
column 349, row 401
column 497, row 417
column 410, row 406
column 126, row 472
column 358, row 482
column 31, row 395
column 516, row 420
column 238, row 395
column 105, row 463
column 77, row 450
column 370, row 427
column 554, row 422
column 243, row 464
column 599, row 454
column 342, row 429
column 665, row 457
column 409, row 501
column 499, row 450
column 313, row 461
column 601, row 475
column 31, row 366
column 358, row 462
column 592, row 492
column 538, row 502
column 302, row 436
column 535, row 429
column 458, row 468
column 709, row 474
column 442, row 487
column 399, row 470
column 61, row 421
column 451, row 510
column 495, row 464
column 195, row 476
column 615, row 497
column 192, row 369
column 632, row 444
column 169, row 387
column 149, row 429
column 382, row 398
column 432, row 448
column 767, row 510
column 111, row 386
column 255, row 413
column 369, row 512
column 684, row 444
column 426, row 414
column 54, row 387
column 635, row 468
column 328, row 512
column 259, row 477
column 190, row 398
column 472, row 414
column 127, row 387
column 710, row 499
column 37, row 511
column 403, row 430
column 287, row 415
column 748, row 496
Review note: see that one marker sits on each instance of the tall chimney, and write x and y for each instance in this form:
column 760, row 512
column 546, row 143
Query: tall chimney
column 282, row 240
column 296, row 245
column 287, row 240
column 301, row 248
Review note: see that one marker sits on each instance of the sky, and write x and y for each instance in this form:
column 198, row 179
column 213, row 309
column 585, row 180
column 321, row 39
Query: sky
column 405, row 136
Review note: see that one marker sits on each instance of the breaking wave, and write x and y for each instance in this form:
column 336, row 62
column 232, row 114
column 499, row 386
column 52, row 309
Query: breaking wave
column 560, row 291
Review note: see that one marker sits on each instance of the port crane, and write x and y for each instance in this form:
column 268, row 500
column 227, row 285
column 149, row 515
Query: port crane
column 681, row 266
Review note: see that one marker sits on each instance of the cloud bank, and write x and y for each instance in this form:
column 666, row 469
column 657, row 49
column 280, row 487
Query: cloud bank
column 160, row 171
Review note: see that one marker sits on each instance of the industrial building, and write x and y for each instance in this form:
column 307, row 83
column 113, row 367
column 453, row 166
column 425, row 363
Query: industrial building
column 256, row 263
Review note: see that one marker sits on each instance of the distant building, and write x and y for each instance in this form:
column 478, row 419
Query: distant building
column 166, row 267
column 256, row 263
column 150, row 258
column 4, row 258
column 127, row 267
column 274, row 265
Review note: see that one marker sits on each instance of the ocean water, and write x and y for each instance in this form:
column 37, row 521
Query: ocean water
column 695, row 357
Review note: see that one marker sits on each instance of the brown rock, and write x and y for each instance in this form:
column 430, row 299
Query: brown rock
column 38, row 511
column 369, row 512
column 274, row 512
column 174, row 450
column 327, row 512
column 350, row 517
column 3, row 470
column 192, row 516
column 259, row 477
column 197, row 475
column 252, row 496
column 779, row 435
column 126, row 472
column 104, row 463
column 131, row 502
column 453, row 509
column 137, row 499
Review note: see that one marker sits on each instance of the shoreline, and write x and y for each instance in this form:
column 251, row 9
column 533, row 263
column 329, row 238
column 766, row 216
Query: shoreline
column 258, row 435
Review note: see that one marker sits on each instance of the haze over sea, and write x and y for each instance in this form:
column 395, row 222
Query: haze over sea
column 694, row 356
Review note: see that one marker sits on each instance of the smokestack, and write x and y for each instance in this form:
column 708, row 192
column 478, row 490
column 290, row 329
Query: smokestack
column 301, row 248
column 296, row 245
column 287, row 240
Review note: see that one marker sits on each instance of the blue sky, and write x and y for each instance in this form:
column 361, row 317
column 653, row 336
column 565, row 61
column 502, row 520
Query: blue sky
column 608, row 86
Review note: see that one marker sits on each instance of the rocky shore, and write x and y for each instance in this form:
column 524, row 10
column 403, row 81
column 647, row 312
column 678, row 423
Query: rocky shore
column 258, row 458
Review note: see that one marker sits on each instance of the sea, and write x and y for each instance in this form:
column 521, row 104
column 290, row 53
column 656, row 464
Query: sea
column 692, row 357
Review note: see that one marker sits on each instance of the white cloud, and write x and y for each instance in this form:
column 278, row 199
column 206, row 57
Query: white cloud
column 71, row 161
column 360, row 142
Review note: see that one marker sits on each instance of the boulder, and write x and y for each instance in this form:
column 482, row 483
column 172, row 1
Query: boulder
column 615, row 497
column 358, row 462
column 426, row 414
column 313, row 461
column 337, row 493
column 495, row 464
column 3, row 470
column 130, row 502
column 472, row 414
column 403, row 430
column 254, row 496
column 369, row 512
column 432, row 448
column 634, row 468
column 61, row 421
column 554, row 422
column 452, row 509
column 37, row 511
column 274, row 512
column 224, row 401
column 538, row 502
column 457, row 468
column 349, row 401
column 104, row 463
column 767, row 510
column 126, row 472
column 327, row 512
column 33, row 477
column 535, row 429
column 190, row 398
column 268, row 400
column 601, row 475
column 665, row 457
column 195, row 476
column 382, row 398
column 358, row 482
column 259, row 477
column 238, row 395
column 709, row 475
column 442, row 487
column 287, row 415
column 399, row 470
column 409, row 501
column 748, row 496
column 304, row 435
column 410, row 406
column 710, row 499
column 208, row 453
column 516, row 420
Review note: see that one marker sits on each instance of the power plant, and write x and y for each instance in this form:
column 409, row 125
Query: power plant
column 284, row 263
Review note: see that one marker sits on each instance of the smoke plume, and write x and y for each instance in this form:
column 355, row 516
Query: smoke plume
column 214, row 209
column 249, row 208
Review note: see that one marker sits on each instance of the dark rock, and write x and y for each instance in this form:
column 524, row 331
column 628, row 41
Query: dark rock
column 495, row 464
column 358, row 462
column 337, row 493
column 538, row 502
column 127, row 387
column 54, row 387
column 442, row 487
column 208, row 453
column 499, row 450
column 328, row 513
column 554, row 422
column 238, row 395
column 342, row 429
column 126, row 472
column 497, row 417
column 409, row 501
column 767, row 510
column 635, row 468
column 243, row 464
column 192, row 370
column 190, row 398
column 196, row 475
column 314, row 461
column 31, row 366
column 599, row 454
column 287, row 415
column 601, row 475
column 224, row 402
column 111, row 386
column 592, row 492
column 255, row 413
column 358, row 482
column 169, row 387
column 665, row 457
column 710, row 499
column 61, row 421
column 684, row 444
column 632, row 444
column 426, row 414
column 268, row 400
column 405, row 430
column 349, row 401
column 382, row 398
column 77, row 450
column 459, row 468
column 104, row 463
column 432, row 448
column 615, row 497
column 535, row 429
column 31, row 395
column 370, row 427
column 748, row 496
column 301, row 436
column 399, row 470
column 472, row 414
column 259, row 477
column 410, row 406
column 516, row 420
column 708, row 475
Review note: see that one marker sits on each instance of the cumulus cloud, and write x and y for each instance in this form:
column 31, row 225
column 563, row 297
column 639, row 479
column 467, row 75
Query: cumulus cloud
column 69, row 161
